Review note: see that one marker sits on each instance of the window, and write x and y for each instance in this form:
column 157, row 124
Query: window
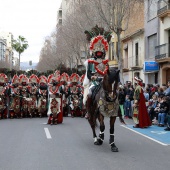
column 152, row 9
column 151, row 46
column 136, row 54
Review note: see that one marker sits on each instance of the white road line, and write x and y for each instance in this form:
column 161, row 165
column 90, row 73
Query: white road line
column 47, row 133
column 145, row 136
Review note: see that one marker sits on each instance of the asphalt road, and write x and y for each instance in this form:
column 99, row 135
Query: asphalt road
column 30, row 144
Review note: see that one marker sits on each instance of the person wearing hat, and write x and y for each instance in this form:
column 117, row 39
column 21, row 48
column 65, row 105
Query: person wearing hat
column 33, row 95
column 23, row 80
column 15, row 98
column 42, row 96
column 54, row 112
column 3, row 95
column 73, row 93
column 140, row 113
column 97, row 66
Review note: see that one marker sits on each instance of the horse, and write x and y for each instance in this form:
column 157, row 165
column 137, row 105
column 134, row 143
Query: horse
column 105, row 104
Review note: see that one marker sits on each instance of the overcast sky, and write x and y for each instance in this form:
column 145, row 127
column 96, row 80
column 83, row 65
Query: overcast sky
column 32, row 19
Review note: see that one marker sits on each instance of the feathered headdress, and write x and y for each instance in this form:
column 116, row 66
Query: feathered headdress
column 43, row 79
column 33, row 79
column 3, row 78
column 74, row 77
column 15, row 79
column 65, row 77
column 98, row 39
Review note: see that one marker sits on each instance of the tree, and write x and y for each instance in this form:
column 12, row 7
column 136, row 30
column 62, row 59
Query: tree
column 114, row 15
column 20, row 45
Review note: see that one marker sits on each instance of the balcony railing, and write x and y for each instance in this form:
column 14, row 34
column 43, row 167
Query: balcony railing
column 162, row 51
column 163, row 6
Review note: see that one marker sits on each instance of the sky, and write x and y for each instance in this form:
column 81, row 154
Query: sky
column 32, row 19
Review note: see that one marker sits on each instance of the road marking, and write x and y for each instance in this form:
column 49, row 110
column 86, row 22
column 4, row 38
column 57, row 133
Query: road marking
column 47, row 133
column 145, row 136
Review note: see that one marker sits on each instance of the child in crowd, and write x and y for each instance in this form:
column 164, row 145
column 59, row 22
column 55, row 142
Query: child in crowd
column 163, row 110
column 152, row 105
column 156, row 111
column 127, row 107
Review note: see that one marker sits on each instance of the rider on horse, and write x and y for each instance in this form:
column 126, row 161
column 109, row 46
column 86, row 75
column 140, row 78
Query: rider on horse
column 96, row 66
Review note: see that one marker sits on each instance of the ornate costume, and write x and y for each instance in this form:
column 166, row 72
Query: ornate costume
column 24, row 93
column 64, row 79
column 42, row 96
column 74, row 96
column 33, row 95
column 55, row 99
column 15, row 98
column 140, row 113
column 96, row 66
column 3, row 95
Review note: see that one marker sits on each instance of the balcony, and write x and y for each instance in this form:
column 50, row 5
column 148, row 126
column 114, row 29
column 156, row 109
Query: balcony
column 162, row 53
column 163, row 9
column 132, row 63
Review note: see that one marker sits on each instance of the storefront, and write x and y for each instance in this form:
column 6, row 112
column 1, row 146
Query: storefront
column 151, row 69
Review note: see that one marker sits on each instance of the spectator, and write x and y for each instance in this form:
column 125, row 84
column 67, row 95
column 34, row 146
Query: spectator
column 152, row 105
column 167, row 91
column 127, row 107
column 167, row 122
column 160, row 91
column 146, row 94
column 164, row 108
column 156, row 110
column 121, row 98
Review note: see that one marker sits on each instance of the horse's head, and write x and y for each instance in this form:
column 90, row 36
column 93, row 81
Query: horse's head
column 110, row 82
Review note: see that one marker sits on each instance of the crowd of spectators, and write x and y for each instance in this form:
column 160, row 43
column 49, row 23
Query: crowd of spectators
column 157, row 101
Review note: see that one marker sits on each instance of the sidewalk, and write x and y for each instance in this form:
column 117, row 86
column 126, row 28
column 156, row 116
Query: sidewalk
column 155, row 133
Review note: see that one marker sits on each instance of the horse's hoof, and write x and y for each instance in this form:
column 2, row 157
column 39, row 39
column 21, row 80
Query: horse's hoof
column 114, row 148
column 96, row 143
column 100, row 142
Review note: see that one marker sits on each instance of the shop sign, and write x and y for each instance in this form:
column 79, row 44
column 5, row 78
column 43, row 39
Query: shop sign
column 150, row 66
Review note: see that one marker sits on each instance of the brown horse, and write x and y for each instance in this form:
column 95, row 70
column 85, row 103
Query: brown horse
column 105, row 104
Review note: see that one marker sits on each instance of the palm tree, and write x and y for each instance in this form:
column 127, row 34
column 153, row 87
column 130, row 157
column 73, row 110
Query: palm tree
column 20, row 45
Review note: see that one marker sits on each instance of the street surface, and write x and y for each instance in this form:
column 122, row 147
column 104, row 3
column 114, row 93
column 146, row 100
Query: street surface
column 30, row 144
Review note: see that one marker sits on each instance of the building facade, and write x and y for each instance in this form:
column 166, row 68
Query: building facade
column 151, row 67
column 162, row 50
column 133, row 45
column 7, row 53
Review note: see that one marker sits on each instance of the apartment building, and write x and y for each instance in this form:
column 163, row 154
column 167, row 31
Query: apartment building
column 2, row 48
column 133, row 46
column 6, row 47
column 151, row 67
column 162, row 50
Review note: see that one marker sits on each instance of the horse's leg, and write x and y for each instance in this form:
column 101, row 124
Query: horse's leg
column 102, row 128
column 112, row 140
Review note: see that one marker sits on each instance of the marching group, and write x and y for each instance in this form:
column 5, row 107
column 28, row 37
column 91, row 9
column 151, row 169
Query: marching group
column 58, row 95
column 54, row 96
